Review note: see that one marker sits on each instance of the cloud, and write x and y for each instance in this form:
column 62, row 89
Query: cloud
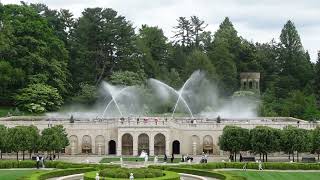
column 254, row 20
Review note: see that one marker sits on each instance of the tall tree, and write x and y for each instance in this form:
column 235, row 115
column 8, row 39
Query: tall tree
column 317, row 79
column 183, row 33
column 198, row 27
column 297, row 70
column 33, row 47
column 102, row 39
column 223, row 53
column 153, row 44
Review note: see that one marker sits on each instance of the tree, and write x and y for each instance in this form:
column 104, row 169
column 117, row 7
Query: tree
column 316, row 141
column 234, row 139
column 102, row 40
column 33, row 49
column 317, row 79
column 33, row 138
column 198, row 27
column 18, row 140
column 225, row 66
column 297, row 70
column 295, row 139
column 127, row 78
column 63, row 138
column 199, row 61
column 39, row 98
column 183, row 32
column 3, row 139
column 264, row 140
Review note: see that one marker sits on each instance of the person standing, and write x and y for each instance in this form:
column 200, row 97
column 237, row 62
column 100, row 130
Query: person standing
column 38, row 161
column 172, row 158
column 165, row 158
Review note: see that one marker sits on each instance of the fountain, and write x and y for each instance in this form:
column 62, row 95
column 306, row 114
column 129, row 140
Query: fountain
column 179, row 94
column 110, row 89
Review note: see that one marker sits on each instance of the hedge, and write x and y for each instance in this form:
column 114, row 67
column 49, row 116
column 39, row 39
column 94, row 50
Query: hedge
column 58, row 173
column 7, row 164
column 217, row 175
column 138, row 159
column 169, row 175
column 251, row 165
column 138, row 173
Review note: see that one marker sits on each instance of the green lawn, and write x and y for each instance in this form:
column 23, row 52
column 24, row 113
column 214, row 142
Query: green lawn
column 132, row 159
column 268, row 175
column 6, row 174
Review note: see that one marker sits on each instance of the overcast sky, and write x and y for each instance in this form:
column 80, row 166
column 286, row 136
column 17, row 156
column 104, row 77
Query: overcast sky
column 255, row 20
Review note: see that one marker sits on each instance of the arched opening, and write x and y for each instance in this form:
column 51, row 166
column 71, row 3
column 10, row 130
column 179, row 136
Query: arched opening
column 176, row 147
column 159, row 144
column 250, row 85
column 208, row 144
column 143, row 143
column 196, row 147
column 86, row 144
column 73, row 145
column 100, row 145
column 127, row 144
column 112, row 147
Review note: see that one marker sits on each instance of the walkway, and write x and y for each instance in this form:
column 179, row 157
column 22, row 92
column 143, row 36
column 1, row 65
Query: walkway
column 267, row 170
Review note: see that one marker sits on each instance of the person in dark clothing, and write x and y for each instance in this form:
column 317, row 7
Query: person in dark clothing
column 165, row 158
column 38, row 161
column 172, row 158
column 240, row 157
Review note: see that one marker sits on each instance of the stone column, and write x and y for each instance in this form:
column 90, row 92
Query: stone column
column 151, row 144
column 168, row 151
column 194, row 148
column 135, row 145
column 119, row 145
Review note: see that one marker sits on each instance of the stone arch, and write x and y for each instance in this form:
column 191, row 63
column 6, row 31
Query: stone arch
column 196, row 146
column 112, row 147
column 208, row 144
column 73, row 144
column 127, row 144
column 159, row 144
column 100, row 145
column 86, row 144
column 143, row 143
column 175, row 147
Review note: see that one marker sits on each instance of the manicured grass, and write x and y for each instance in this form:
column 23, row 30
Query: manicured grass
column 138, row 159
column 267, row 175
column 6, row 174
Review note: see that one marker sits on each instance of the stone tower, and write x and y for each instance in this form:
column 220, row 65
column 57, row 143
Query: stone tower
column 250, row 81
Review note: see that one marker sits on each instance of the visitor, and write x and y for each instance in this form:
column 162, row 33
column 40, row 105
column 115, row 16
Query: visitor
column 244, row 166
column 260, row 165
column 165, row 158
column 54, row 156
column 172, row 158
column 182, row 158
column 138, row 120
column 205, row 158
column 38, row 161
column 240, row 157
column 156, row 121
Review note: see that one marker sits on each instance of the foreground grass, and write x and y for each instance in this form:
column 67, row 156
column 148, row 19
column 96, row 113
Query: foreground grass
column 268, row 175
column 15, row 174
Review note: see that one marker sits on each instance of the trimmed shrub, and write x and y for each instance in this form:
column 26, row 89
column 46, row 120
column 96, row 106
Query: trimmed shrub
column 58, row 173
column 168, row 176
column 251, row 165
column 125, row 173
